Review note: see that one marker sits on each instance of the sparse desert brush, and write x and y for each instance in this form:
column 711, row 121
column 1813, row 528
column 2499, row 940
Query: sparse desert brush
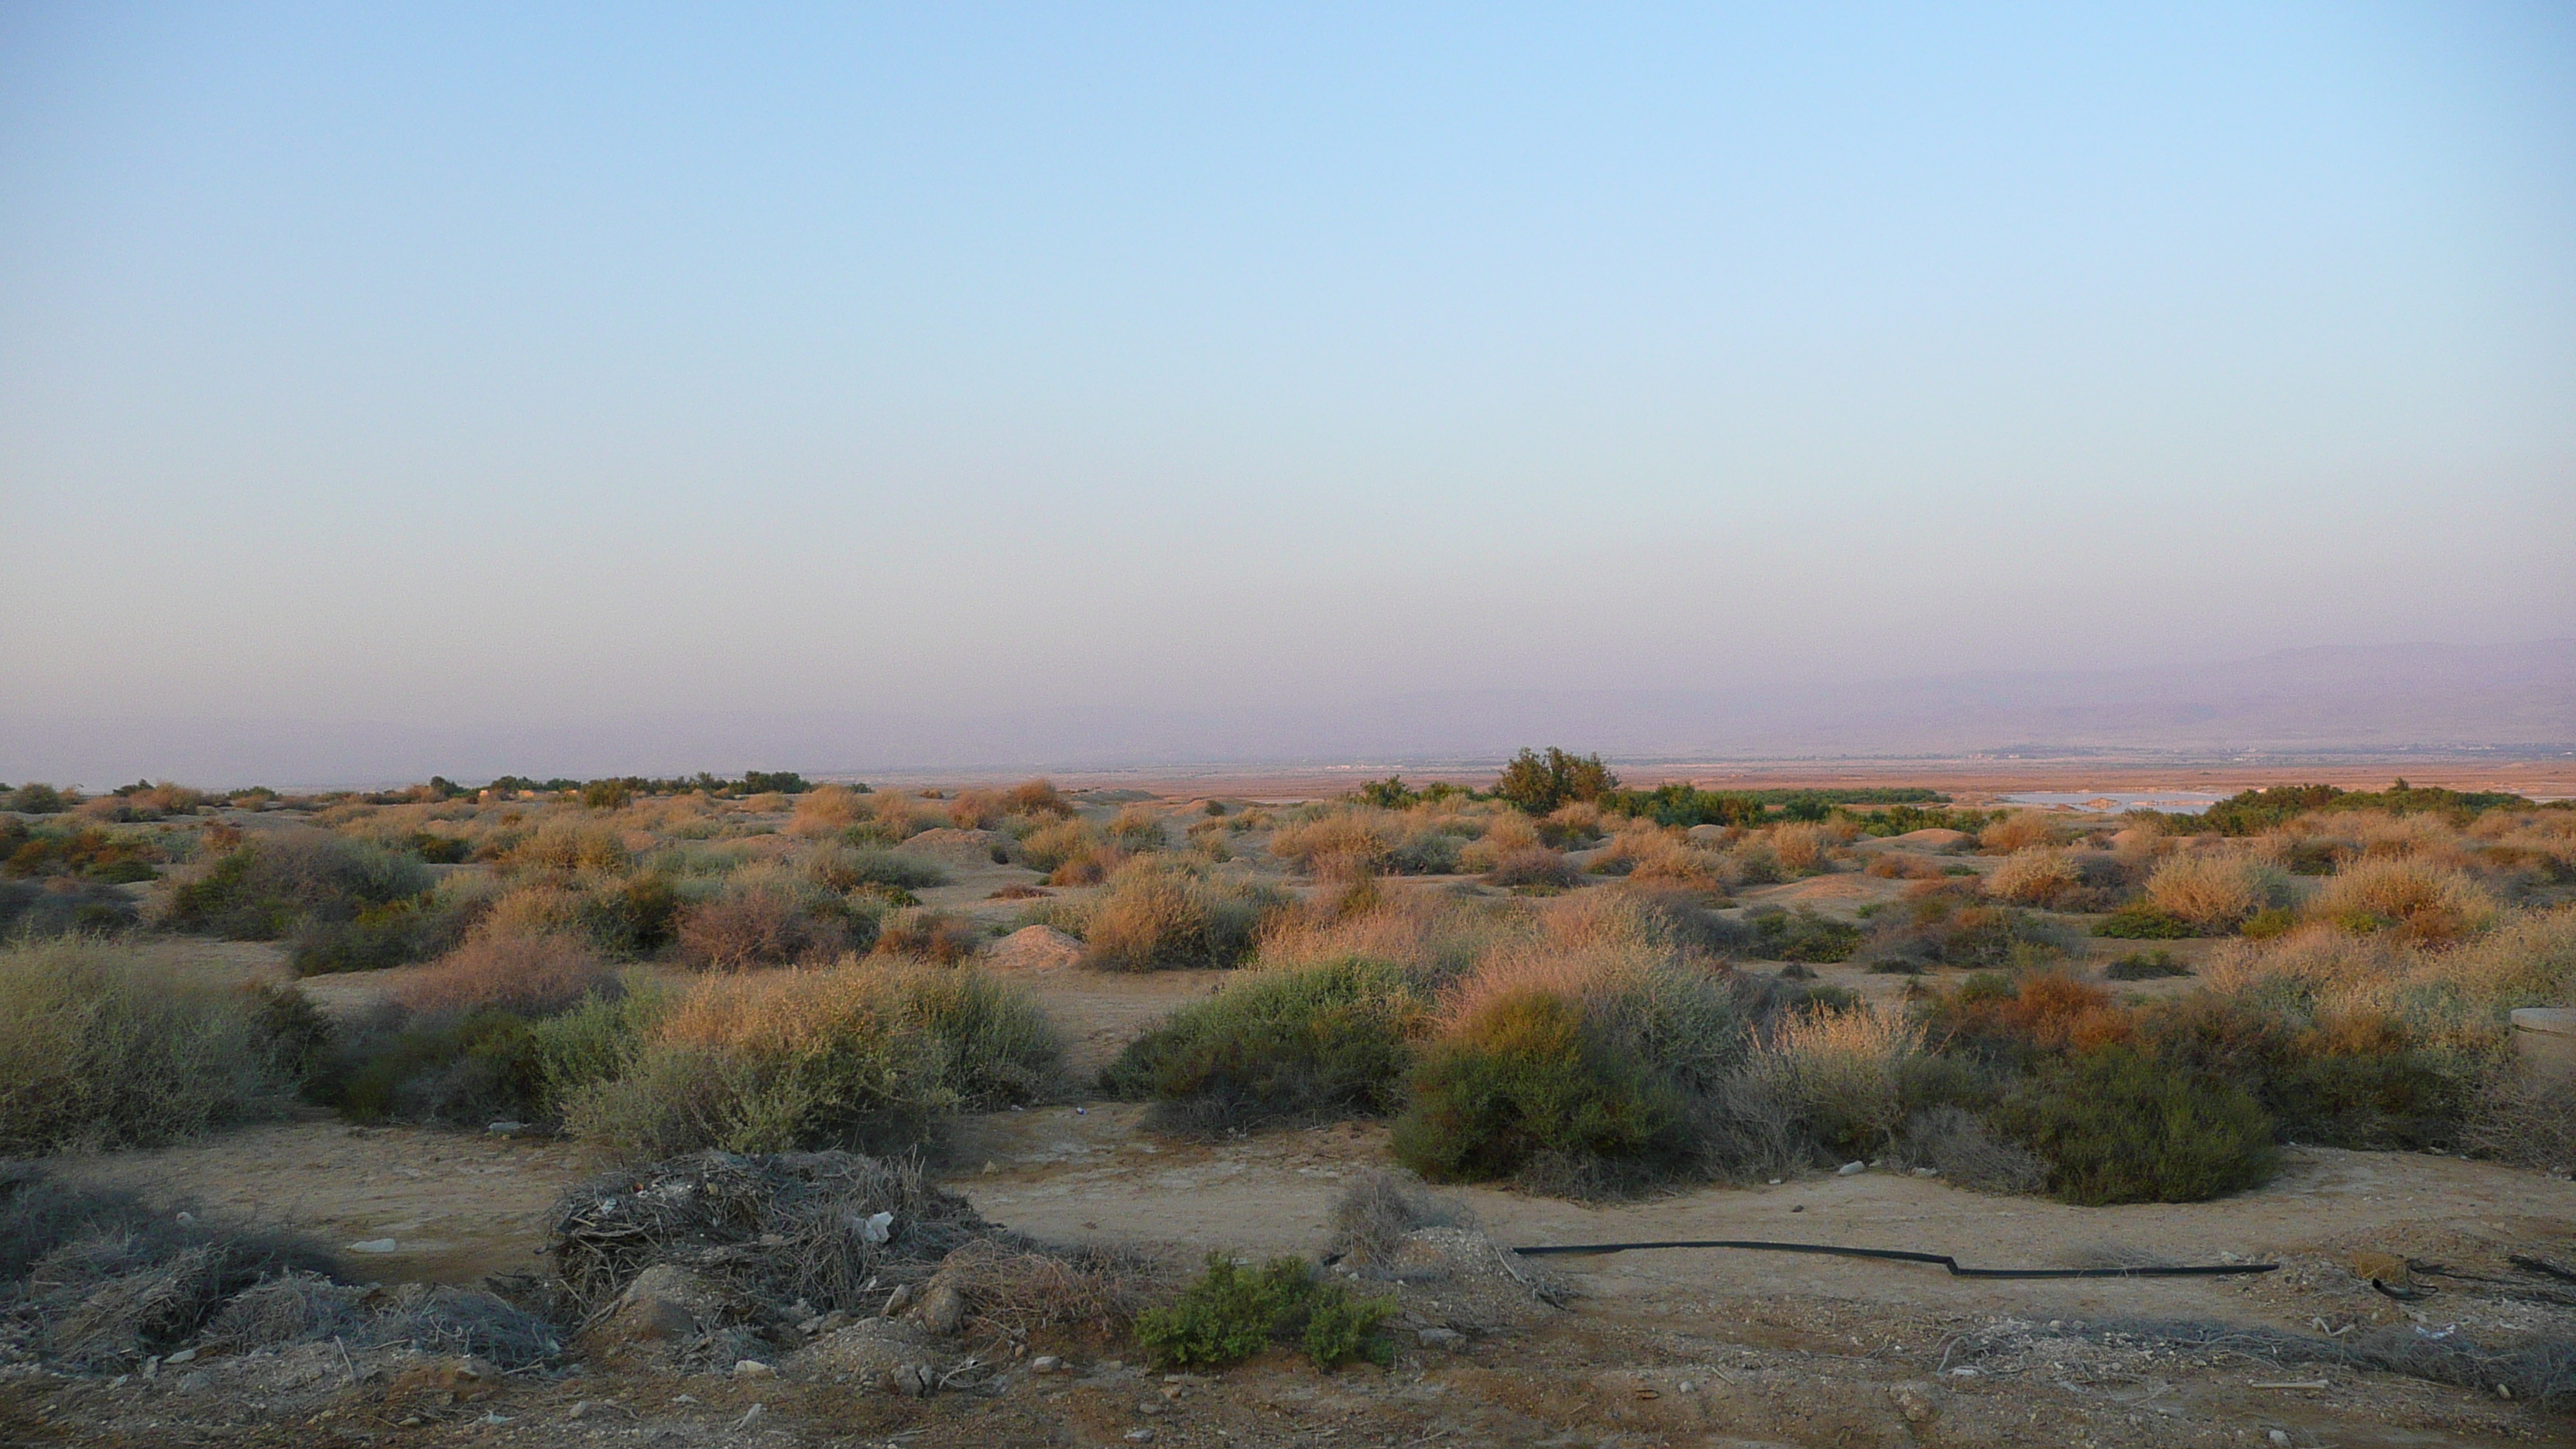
column 1752, row 862
column 61, row 905
column 2423, row 836
column 1156, row 914
column 259, row 889
column 1282, row 1044
column 1572, row 825
column 1903, row 865
column 828, row 810
column 2215, row 893
column 536, row 909
column 2013, row 1021
column 1536, row 866
column 922, row 934
column 1340, row 843
column 117, row 1045
column 1433, row 938
column 765, row 919
column 1049, row 847
column 1669, row 861
column 2420, row 902
column 530, row 975
column 844, row 868
column 1137, row 827
column 1036, row 797
column 1509, row 832
column 1942, row 924
column 39, row 800
column 1842, row 1074
column 2035, row 876
column 978, row 809
column 2020, row 830
column 413, row 928
column 856, row 1055
column 564, row 846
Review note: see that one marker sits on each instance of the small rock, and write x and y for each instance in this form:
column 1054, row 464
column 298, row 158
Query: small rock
column 877, row 1229
column 1440, row 1337
column 1927, row 1172
column 186, row 1217
column 1802, row 1207
column 1914, row 1403
column 2278, row 1437
column 1140, row 1436
column 1775, row 1182
column 752, row 1368
column 750, row 1416
column 581, row 1410
column 185, row 1355
column 1851, row 1169
column 915, row 1380
column 507, row 1129
column 942, row 1310
column 372, row 1245
column 1045, row 1363
column 899, row 1300
column 1149, row 1408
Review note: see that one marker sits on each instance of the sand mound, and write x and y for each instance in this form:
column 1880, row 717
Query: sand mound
column 967, row 848
column 1932, row 839
column 1034, row 948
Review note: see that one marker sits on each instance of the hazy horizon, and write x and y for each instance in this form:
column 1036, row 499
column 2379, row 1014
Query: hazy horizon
column 491, row 373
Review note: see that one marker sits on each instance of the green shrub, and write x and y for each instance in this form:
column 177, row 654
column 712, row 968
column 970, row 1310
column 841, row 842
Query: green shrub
column 434, row 849
column 261, row 888
column 636, row 916
column 484, row 1067
column 36, row 800
column 103, row 1045
column 2145, row 966
column 61, row 906
column 1229, row 1315
column 2116, row 1125
column 856, row 865
column 1284, row 1045
column 2138, row 921
column 396, row 933
column 1524, row 1079
column 1803, row 936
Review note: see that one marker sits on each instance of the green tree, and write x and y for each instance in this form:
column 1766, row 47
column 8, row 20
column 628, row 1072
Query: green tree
column 1539, row 783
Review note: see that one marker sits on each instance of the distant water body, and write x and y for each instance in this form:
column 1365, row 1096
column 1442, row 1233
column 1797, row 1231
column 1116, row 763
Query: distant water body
column 2112, row 802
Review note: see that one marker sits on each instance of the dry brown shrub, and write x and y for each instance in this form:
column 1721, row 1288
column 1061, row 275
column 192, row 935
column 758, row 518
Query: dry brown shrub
column 1340, row 844
column 1159, row 915
column 929, row 935
column 1378, row 1209
column 1903, row 865
column 563, row 846
column 826, row 810
column 532, row 975
column 2425, row 903
column 1013, row 1292
column 1432, row 938
column 978, row 809
column 1091, row 867
column 2526, row 1118
column 1800, row 847
column 532, row 910
column 1036, row 797
column 2037, row 876
column 1050, row 846
column 756, row 927
column 2215, row 892
column 2020, row 830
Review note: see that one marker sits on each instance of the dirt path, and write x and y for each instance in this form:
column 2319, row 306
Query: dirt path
column 457, row 1205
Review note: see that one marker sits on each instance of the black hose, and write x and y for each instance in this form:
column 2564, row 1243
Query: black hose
column 1898, row 1255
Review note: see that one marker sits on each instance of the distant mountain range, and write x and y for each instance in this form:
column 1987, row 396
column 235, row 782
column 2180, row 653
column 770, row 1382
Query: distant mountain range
column 2300, row 702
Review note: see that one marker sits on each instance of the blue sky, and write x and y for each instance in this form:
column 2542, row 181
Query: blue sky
column 552, row 363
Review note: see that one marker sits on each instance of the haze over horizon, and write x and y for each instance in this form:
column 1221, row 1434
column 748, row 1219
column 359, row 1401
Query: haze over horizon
column 1128, row 383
